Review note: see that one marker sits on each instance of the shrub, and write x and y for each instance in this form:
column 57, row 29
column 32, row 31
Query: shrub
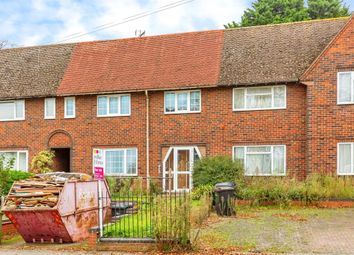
column 212, row 170
column 202, row 190
column 43, row 162
column 9, row 176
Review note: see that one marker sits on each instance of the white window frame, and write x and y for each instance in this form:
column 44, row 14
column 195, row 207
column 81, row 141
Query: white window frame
column 188, row 101
column 119, row 96
column 65, row 108
column 351, row 88
column 45, row 108
column 259, row 109
column 351, row 158
column 272, row 157
column 125, row 160
column 17, row 165
column 15, row 110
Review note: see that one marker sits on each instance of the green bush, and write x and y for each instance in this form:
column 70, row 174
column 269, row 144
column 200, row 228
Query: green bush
column 202, row 190
column 9, row 176
column 43, row 162
column 211, row 170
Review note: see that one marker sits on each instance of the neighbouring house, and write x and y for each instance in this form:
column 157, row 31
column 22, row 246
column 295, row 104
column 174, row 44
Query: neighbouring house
column 278, row 97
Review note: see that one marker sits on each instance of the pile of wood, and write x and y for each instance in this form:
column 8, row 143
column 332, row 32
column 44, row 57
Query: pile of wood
column 41, row 191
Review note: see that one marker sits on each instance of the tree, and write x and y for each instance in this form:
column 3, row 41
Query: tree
column 322, row 9
column 265, row 12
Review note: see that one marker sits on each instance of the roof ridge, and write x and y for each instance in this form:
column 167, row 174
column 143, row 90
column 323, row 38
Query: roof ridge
column 291, row 23
column 38, row 46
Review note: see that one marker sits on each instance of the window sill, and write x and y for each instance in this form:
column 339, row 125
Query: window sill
column 112, row 116
column 73, row 117
column 11, row 120
column 348, row 103
column 174, row 113
column 265, row 175
column 258, row 109
column 344, row 174
column 121, row 175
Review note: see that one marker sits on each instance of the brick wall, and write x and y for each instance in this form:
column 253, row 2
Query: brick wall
column 217, row 128
column 329, row 123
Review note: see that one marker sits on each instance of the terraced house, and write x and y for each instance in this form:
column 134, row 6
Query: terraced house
column 278, row 97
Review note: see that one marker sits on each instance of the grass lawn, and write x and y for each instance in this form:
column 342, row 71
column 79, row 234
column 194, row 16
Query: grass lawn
column 275, row 230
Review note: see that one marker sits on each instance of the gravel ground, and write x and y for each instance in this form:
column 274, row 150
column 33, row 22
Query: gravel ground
column 47, row 252
column 293, row 231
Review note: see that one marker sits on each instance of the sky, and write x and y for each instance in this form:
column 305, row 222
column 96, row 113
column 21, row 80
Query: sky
column 35, row 22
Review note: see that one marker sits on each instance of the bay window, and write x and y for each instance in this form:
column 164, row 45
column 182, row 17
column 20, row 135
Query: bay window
column 12, row 110
column 262, row 160
column 259, row 98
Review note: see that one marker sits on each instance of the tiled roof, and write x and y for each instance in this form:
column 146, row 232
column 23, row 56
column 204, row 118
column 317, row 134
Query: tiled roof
column 33, row 71
column 274, row 53
column 156, row 62
column 242, row 56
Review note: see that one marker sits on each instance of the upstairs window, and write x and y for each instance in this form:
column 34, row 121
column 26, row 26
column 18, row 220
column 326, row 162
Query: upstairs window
column 259, row 98
column 345, row 84
column 262, row 160
column 69, row 107
column 113, row 105
column 182, row 102
column 18, row 159
column 12, row 110
column 49, row 108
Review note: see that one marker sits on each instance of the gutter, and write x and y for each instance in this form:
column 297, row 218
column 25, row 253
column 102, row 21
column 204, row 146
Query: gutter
column 147, row 141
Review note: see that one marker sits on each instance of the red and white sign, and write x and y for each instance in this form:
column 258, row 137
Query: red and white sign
column 98, row 164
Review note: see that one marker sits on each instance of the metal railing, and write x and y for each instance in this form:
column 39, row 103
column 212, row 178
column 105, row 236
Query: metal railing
column 138, row 214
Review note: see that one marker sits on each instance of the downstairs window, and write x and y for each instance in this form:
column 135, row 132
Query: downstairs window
column 18, row 160
column 262, row 160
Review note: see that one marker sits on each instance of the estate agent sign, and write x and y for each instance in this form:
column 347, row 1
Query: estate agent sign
column 98, row 164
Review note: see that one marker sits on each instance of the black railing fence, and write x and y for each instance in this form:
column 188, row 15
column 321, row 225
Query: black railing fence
column 139, row 213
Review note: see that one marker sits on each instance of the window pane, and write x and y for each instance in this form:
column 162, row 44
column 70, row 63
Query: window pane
column 20, row 109
column 124, row 104
column 256, row 91
column 344, row 87
column 258, row 164
column 240, row 154
column 182, row 104
column 22, row 161
column 69, row 106
column 279, row 96
column 278, row 160
column 170, row 102
column 7, row 111
column 115, row 162
column 50, row 107
column 344, row 159
column 113, row 105
column 195, row 101
column 239, row 98
column 131, row 161
column 259, row 101
column 102, row 106
column 9, row 159
column 259, row 149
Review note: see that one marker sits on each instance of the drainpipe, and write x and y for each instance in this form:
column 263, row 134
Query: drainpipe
column 147, row 141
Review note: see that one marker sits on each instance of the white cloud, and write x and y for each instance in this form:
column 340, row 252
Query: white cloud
column 49, row 21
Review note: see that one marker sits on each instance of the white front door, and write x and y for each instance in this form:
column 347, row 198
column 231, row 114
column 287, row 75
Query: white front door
column 178, row 168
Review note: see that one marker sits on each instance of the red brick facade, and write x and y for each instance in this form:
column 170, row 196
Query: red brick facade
column 327, row 122
column 217, row 128
column 311, row 125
